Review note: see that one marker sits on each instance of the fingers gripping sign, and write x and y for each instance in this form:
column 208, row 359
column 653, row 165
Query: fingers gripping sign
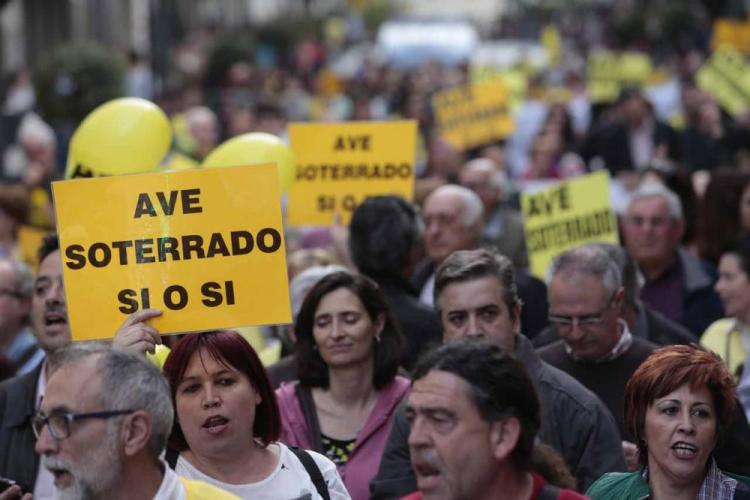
column 136, row 335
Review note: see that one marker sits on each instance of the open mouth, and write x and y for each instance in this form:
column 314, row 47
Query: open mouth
column 62, row 476
column 684, row 450
column 51, row 319
column 215, row 424
column 426, row 470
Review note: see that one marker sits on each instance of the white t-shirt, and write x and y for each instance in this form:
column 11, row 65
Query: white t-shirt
column 288, row 481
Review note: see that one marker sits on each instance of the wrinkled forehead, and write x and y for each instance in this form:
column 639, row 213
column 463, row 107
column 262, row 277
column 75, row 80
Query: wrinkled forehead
column 75, row 386
column 439, row 390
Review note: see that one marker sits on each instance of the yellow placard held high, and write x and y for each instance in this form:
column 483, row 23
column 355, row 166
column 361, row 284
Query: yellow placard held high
column 340, row 164
column 204, row 246
column 732, row 32
column 609, row 72
column 567, row 215
column 726, row 76
column 473, row 115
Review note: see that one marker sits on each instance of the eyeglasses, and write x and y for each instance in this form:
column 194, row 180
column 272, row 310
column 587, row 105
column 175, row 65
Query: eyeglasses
column 585, row 321
column 59, row 422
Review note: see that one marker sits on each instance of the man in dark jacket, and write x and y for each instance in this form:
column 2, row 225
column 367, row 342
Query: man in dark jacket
column 678, row 285
column 476, row 298
column 385, row 238
column 21, row 396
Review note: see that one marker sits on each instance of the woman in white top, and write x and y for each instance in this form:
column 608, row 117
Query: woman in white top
column 227, row 424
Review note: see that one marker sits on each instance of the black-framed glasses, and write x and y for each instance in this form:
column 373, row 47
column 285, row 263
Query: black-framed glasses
column 584, row 321
column 59, row 422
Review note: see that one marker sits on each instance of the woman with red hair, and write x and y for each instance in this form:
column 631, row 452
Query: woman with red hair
column 227, row 424
column 678, row 404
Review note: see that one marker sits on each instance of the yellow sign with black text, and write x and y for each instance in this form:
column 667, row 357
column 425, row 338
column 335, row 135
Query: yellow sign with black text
column 726, row 76
column 609, row 72
column 474, row 115
column 567, row 215
column 341, row 164
column 205, row 246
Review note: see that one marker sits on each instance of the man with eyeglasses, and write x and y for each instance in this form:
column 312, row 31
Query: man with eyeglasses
column 20, row 396
column 677, row 284
column 596, row 346
column 17, row 342
column 103, row 424
column 476, row 299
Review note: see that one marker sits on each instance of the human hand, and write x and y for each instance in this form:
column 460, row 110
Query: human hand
column 135, row 335
column 631, row 455
column 15, row 493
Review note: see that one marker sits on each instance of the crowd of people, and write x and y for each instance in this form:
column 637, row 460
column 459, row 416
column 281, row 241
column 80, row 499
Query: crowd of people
column 425, row 360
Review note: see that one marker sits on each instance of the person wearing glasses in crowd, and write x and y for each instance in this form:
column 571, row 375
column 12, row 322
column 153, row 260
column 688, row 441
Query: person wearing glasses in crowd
column 103, row 424
column 596, row 346
column 477, row 299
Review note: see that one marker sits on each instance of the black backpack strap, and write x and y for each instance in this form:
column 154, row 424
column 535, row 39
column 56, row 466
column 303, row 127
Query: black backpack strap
column 171, row 456
column 307, row 405
column 548, row 492
column 312, row 470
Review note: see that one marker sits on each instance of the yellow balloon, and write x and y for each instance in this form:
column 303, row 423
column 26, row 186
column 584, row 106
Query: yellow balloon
column 122, row 136
column 254, row 148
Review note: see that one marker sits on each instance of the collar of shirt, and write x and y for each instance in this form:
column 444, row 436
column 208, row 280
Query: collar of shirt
column 620, row 348
column 716, row 485
column 41, row 385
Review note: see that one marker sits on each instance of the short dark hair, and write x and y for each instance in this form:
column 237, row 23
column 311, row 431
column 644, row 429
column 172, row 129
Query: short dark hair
column 469, row 265
column 50, row 243
column 666, row 370
column 500, row 387
column 230, row 349
column 313, row 371
column 382, row 232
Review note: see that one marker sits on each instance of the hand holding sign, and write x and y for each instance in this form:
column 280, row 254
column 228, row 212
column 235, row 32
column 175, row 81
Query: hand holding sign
column 136, row 335
column 122, row 136
column 253, row 148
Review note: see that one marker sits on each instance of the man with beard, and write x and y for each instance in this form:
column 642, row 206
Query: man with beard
column 103, row 424
column 474, row 415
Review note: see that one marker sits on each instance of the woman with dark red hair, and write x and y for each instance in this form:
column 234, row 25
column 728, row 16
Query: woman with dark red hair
column 678, row 404
column 227, row 424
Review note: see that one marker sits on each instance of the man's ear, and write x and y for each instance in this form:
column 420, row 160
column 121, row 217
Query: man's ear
column 515, row 313
column 135, row 432
column 504, row 436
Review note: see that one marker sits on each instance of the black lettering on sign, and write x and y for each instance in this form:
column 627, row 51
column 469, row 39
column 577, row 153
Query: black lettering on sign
column 182, row 297
column 548, row 203
column 212, row 293
column 189, row 201
column 352, row 143
column 130, row 303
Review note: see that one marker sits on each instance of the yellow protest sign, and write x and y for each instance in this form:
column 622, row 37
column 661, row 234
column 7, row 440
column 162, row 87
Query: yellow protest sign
column 473, row 115
column 567, row 215
column 731, row 32
column 516, row 81
column 29, row 241
column 340, row 164
column 552, row 43
column 609, row 72
column 205, row 246
column 726, row 76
